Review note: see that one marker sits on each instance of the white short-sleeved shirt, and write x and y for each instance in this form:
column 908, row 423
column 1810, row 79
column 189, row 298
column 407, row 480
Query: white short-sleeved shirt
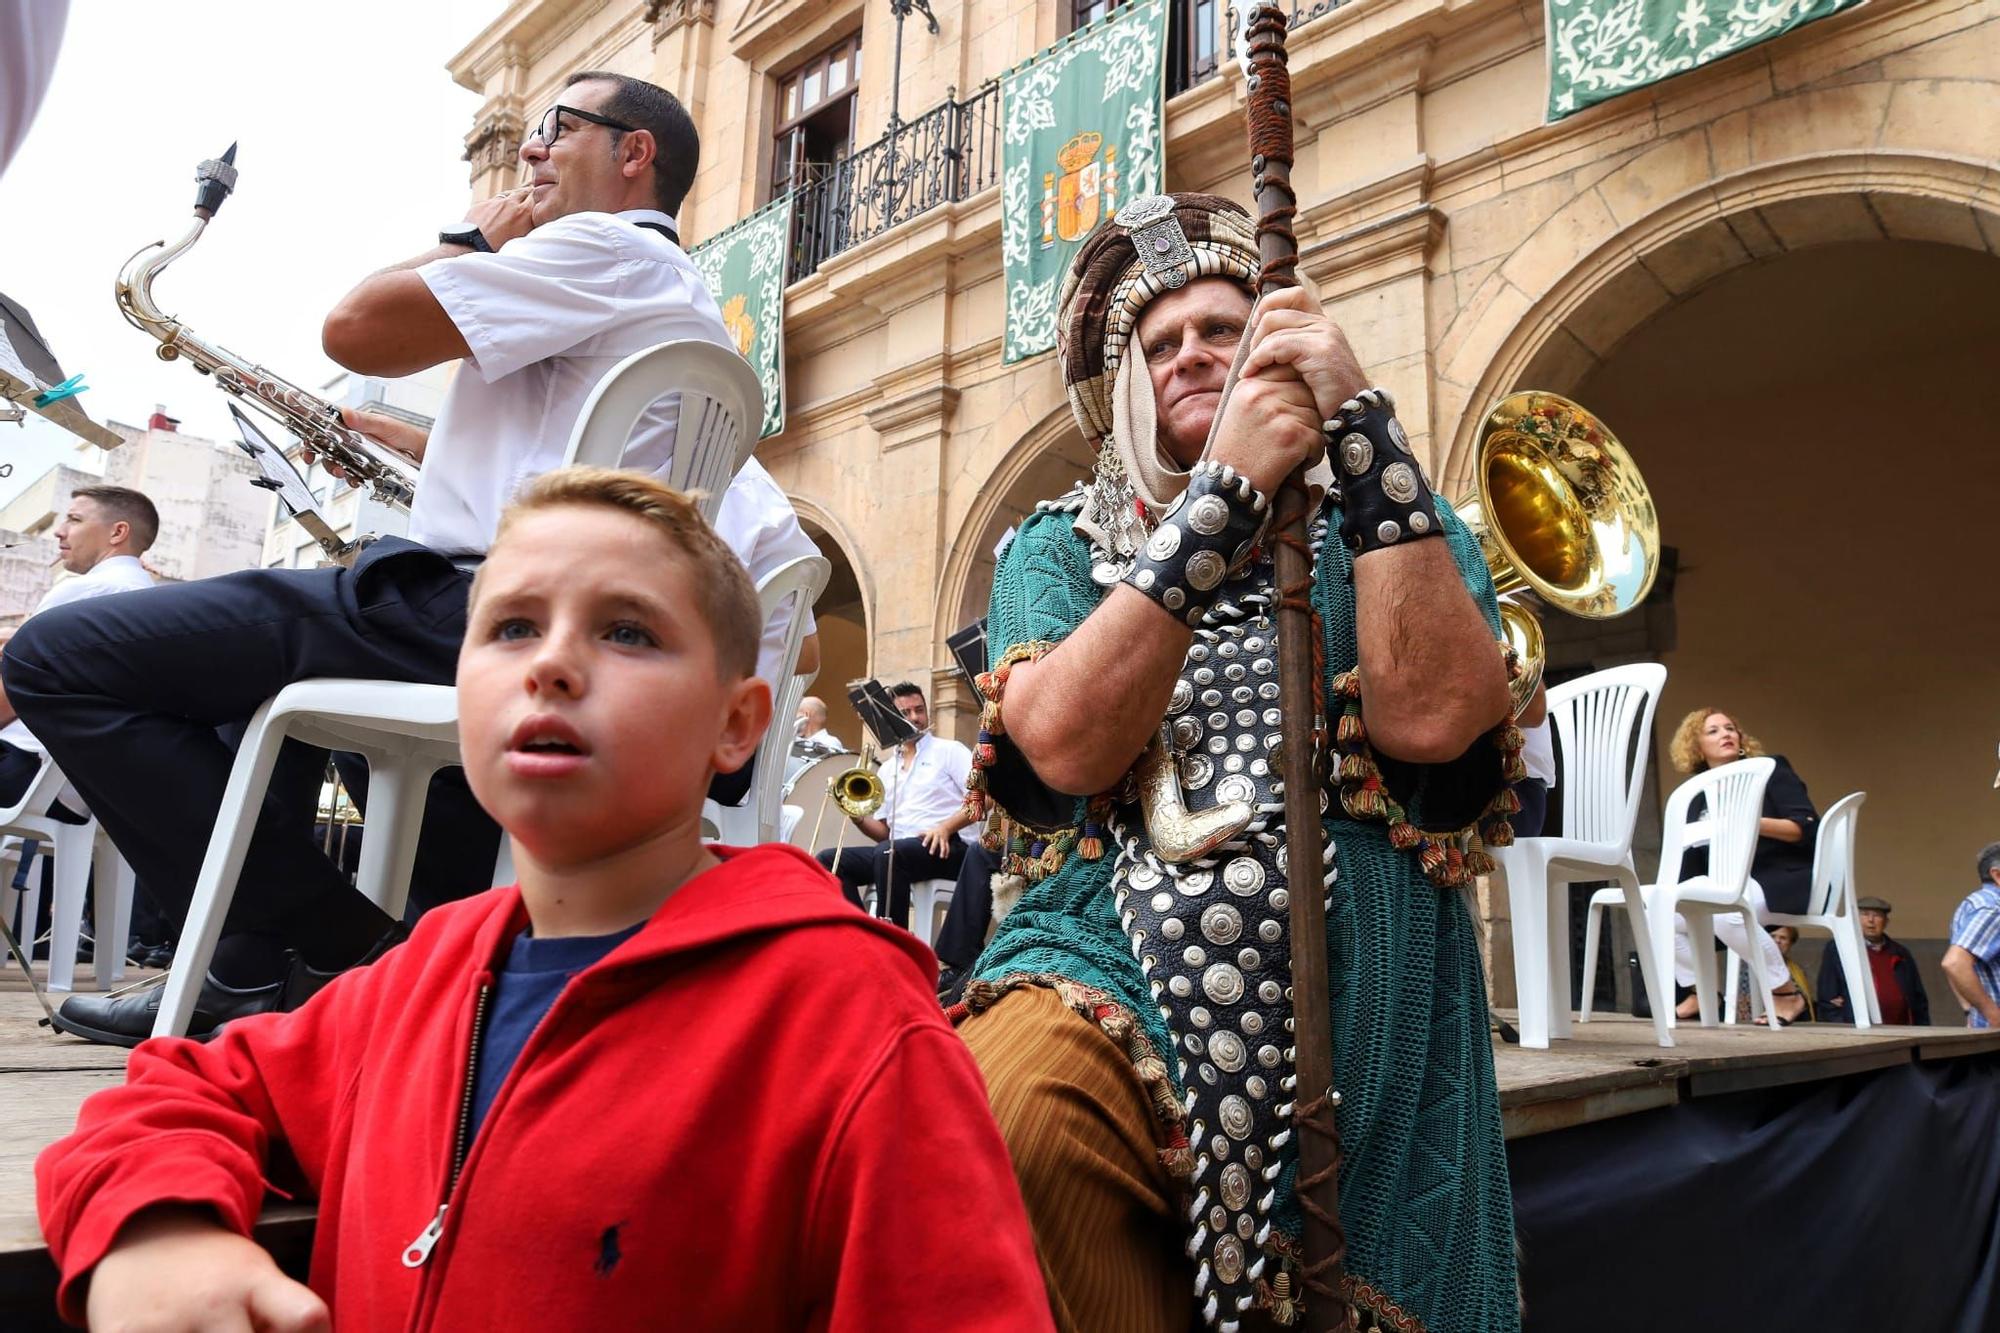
column 545, row 317
column 118, row 573
column 1538, row 752
column 931, row 792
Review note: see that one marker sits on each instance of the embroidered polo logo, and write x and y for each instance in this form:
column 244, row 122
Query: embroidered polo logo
column 608, row 1253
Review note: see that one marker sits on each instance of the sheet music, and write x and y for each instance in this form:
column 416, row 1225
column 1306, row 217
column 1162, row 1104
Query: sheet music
column 279, row 474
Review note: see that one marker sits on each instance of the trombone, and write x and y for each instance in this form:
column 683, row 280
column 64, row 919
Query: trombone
column 858, row 793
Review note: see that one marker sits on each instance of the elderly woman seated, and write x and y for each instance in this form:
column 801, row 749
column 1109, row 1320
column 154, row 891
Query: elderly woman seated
column 1780, row 872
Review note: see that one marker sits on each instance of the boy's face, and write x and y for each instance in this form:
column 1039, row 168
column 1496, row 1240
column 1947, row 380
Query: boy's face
column 591, row 708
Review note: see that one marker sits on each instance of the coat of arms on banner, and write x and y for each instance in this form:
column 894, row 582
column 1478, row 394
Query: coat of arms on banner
column 1080, row 135
column 1084, row 190
column 742, row 328
column 744, row 270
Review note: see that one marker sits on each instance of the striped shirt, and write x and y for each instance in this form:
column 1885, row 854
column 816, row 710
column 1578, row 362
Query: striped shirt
column 1975, row 928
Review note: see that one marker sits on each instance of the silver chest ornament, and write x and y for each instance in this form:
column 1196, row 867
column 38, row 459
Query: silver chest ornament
column 1201, row 891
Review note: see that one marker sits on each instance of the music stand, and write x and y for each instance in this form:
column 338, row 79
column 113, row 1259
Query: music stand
column 280, row 476
column 968, row 649
column 889, row 729
column 27, row 370
column 878, row 713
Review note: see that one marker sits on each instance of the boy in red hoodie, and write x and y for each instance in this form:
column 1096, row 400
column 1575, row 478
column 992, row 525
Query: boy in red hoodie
column 656, row 1085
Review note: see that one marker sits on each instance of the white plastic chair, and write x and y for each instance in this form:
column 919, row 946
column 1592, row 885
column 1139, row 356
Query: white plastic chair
column 927, row 897
column 1831, row 908
column 410, row 731
column 72, row 846
column 1734, row 794
column 1605, row 721
column 406, row 733
column 721, row 409
column 799, row 582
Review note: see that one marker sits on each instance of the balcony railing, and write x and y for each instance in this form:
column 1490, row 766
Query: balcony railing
column 951, row 152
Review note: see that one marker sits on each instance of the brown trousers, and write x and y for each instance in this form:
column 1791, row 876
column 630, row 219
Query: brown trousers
column 1079, row 1127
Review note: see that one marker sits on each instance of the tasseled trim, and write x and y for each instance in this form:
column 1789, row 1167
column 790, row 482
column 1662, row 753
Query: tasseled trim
column 1118, row 1023
column 1448, row 860
column 1373, row 1311
column 1033, row 855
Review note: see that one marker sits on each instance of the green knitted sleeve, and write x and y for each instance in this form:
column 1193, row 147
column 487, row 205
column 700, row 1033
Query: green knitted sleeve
column 1042, row 589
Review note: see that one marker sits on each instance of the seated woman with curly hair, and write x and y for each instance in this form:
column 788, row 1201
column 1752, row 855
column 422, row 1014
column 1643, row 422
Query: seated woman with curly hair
column 1780, row 873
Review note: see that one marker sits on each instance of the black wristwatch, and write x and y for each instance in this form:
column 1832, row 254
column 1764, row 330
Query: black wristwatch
column 466, row 233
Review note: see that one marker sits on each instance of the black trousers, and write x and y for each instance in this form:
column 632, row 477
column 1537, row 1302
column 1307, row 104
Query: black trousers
column 128, row 693
column 963, row 934
column 1533, row 795
column 912, row 861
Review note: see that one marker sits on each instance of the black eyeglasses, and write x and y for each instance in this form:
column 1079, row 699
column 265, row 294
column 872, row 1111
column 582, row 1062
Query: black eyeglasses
column 552, row 126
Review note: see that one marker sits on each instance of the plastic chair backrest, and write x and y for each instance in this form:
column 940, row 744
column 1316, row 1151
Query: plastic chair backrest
column 1734, row 796
column 1833, row 859
column 1605, row 721
column 721, row 411
column 40, row 795
column 799, row 581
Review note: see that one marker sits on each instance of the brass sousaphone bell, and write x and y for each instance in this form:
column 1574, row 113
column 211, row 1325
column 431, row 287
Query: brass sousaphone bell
column 1559, row 507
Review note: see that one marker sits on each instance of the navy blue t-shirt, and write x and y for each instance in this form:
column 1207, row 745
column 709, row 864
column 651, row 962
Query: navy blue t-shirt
column 524, row 990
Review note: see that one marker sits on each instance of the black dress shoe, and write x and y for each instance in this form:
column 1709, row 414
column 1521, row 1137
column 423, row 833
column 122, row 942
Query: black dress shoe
column 127, row 1020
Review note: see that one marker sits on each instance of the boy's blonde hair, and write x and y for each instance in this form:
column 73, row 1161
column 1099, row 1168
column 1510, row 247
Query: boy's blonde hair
column 1685, row 748
column 724, row 596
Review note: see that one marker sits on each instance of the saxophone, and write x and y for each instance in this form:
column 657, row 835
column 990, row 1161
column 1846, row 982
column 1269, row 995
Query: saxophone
column 391, row 476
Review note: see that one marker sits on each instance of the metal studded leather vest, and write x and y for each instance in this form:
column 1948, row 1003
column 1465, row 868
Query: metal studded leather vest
column 1212, row 934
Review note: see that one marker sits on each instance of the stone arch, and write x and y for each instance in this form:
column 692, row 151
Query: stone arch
column 846, row 614
column 1040, row 465
column 1780, row 176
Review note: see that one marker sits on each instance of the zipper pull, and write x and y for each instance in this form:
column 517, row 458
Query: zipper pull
column 418, row 1250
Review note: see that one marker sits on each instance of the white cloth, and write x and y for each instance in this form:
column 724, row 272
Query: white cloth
column 763, row 529
column 545, row 317
column 931, row 792
column 118, row 573
column 1737, row 937
column 1538, row 752
column 31, row 33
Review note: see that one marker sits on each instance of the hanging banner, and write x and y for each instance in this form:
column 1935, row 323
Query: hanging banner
column 1081, row 135
column 744, row 268
column 1601, row 48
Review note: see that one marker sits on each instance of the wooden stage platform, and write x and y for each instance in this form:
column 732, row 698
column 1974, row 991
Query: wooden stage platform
column 1609, row 1067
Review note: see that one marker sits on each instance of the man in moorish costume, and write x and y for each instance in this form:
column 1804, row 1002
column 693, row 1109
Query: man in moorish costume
column 1132, row 1013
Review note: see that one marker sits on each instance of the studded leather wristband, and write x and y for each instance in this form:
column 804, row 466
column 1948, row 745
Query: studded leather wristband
column 1206, row 533
column 1385, row 499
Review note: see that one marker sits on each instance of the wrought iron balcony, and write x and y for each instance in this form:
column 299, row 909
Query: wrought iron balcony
column 951, row 152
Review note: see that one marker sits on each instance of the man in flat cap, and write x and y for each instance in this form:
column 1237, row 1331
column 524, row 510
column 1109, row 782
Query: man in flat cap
column 1132, row 1012
column 1899, row 985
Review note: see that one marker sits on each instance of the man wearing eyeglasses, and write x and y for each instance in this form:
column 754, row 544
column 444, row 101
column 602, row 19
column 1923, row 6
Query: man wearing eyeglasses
column 539, row 293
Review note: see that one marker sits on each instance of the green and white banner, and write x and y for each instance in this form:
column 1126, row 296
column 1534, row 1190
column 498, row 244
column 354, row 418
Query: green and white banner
column 744, row 268
column 1081, row 135
column 1601, row 48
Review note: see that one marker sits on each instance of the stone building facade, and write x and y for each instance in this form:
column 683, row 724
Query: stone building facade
column 1775, row 276
column 212, row 520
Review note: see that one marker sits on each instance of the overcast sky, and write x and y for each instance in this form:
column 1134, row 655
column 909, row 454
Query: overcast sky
column 351, row 137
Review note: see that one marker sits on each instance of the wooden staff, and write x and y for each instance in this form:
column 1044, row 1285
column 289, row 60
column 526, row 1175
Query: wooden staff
column 1324, row 1244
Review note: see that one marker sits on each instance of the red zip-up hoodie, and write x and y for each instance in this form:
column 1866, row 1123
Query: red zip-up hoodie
column 750, row 1115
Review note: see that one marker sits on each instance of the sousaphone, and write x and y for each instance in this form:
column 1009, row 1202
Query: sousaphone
column 1559, row 507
